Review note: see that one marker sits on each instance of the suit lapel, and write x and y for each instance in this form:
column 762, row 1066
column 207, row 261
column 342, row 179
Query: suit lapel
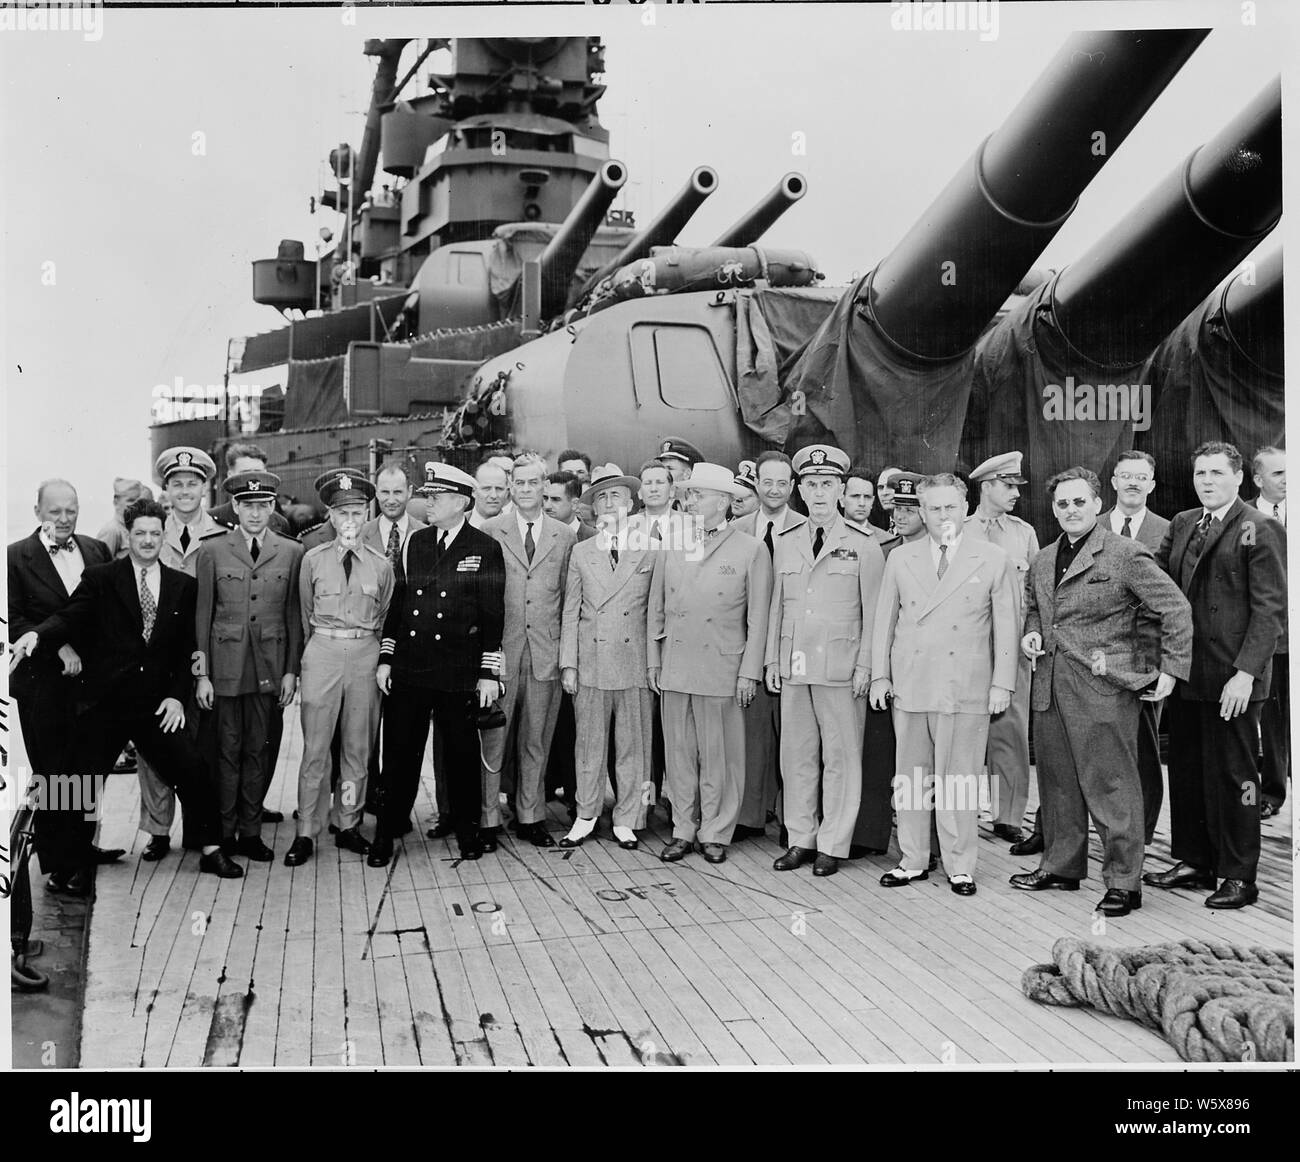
column 1083, row 559
column 239, row 547
column 965, row 563
column 712, row 543
column 41, row 566
column 124, row 581
column 545, row 541
column 1217, row 530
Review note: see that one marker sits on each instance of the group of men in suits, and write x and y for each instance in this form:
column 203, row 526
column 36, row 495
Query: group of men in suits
column 701, row 632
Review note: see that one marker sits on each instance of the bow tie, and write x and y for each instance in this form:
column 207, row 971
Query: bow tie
column 69, row 545
column 710, row 533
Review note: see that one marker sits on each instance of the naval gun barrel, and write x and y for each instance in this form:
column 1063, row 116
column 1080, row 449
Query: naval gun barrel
column 933, row 294
column 1252, row 312
column 663, row 229
column 750, row 227
column 1143, row 277
column 563, row 253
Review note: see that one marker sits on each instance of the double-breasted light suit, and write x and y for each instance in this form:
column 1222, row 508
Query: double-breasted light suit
column 603, row 637
column 708, row 617
column 942, row 643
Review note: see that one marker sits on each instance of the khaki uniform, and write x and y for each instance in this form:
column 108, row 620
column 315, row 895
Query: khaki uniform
column 157, row 799
column 707, row 628
column 1008, row 746
column 248, row 628
column 819, row 633
column 342, row 619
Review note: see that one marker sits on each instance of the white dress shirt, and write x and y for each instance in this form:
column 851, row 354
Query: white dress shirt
column 1117, row 519
column 403, row 533
column 952, row 551
column 535, row 522
column 777, row 522
column 249, row 539
column 68, row 562
column 1276, row 511
column 152, row 577
column 450, row 534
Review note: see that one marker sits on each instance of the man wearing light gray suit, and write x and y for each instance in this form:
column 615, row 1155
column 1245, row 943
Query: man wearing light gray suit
column 603, row 661
column 536, row 550
column 707, row 633
column 775, row 477
column 944, row 649
column 1081, row 636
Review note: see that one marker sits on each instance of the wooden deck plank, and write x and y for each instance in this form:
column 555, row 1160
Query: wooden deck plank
column 496, row 1018
column 431, row 1031
column 535, row 1030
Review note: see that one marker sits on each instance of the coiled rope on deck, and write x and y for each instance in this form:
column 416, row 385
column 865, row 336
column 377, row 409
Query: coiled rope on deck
column 1212, row 1001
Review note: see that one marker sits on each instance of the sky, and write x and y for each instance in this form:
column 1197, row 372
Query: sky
column 144, row 171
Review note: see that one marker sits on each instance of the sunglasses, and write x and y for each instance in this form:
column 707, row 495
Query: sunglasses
column 1076, row 502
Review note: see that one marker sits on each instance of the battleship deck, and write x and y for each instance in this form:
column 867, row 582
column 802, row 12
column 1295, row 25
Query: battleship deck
column 601, row 956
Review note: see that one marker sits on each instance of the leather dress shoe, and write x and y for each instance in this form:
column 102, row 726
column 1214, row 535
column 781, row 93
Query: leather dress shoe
column 75, row 884
column 1181, row 875
column 1119, row 902
column 351, row 839
column 488, row 840
column 220, row 864
column 106, row 855
column 381, row 851
column 470, row 846
column 713, row 852
column 893, row 879
column 1041, row 881
column 1233, row 894
column 934, row 863
column 441, row 829
column 677, row 849
column 1032, row 845
column 272, row 816
column 825, row 865
column 793, row 858
column 156, row 848
column 299, row 851
column 741, row 831
column 857, row 851
column 1267, row 809
column 252, row 847
column 536, row 834
column 1008, row 832
column 965, row 886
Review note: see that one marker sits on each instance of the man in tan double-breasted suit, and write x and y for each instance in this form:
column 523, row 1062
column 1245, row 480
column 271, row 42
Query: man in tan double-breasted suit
column 707, row 633
column 248, row 628
column 826, row 577
column 944, row 649
column 536, row 550
column 603, row 661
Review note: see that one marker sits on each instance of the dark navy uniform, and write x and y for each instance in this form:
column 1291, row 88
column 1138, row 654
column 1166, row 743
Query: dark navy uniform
column 442, row 636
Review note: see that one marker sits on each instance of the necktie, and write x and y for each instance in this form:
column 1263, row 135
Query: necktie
column 347, row 565
column 185, row 539
column 943, row 561
column 394, row 548
column 613, row 553
column 818, row 538
column 1127, row 530
column 656, row 533
column 442, row 546
column 1277, row 512
column 148, row 607
column 530, row 545
column 254, row 550
column 1198, row 537
column 767, row 540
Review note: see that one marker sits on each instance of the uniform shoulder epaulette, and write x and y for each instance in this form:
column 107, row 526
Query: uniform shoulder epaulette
column 315, row 548
column 803, row 521
column 859, row 529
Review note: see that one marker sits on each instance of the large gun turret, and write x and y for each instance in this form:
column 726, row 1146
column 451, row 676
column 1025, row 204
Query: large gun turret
column 933, row 295
column 561, row 257
column 750, row 227
column 1133, row 286
column 664, row 228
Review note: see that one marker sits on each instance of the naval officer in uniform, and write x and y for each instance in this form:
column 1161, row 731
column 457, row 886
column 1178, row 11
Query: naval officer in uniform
column 249, row 633
column 344, row 588
column 826, row 580
column 184, row 473
column 999, row 479
column 707, row 632
column 440, row 655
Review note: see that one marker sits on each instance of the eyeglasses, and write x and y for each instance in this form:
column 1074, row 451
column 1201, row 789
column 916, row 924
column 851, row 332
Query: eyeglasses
column 1075, row 501
column 1129, row 477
